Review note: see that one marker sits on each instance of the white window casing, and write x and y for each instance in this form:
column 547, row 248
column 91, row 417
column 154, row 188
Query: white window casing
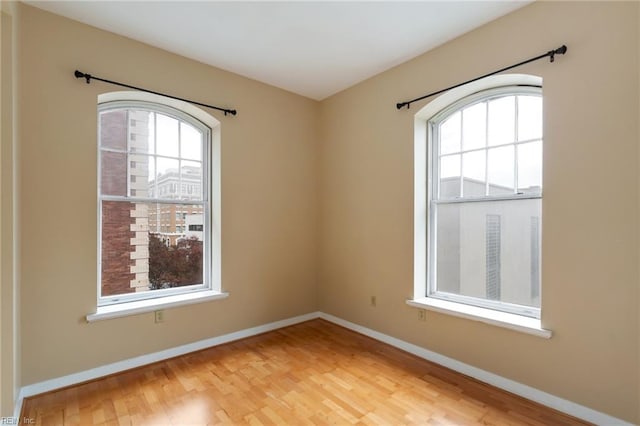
column 200, row 192
column 469, row 192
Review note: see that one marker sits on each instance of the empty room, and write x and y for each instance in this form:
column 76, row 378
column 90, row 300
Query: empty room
column 320, row 213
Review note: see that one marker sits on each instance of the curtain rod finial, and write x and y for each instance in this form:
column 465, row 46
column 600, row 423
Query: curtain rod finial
column 80, row 74
column 559, row 51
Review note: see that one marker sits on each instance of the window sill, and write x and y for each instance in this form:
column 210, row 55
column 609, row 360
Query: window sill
column 149, row 305
column 500, row 319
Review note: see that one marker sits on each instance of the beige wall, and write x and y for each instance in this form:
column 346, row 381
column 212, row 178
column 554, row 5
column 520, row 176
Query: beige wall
column 269, row 201
column 289, row 164
column 9, row 292
column 590, row 206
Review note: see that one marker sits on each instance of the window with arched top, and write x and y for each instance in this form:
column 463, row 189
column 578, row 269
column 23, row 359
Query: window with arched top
column 485, row 202
column 158, row 169
column 479, row 221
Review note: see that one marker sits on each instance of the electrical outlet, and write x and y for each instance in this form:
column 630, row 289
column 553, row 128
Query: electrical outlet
column 373, row 301
column 422, row 315
column 158, row 316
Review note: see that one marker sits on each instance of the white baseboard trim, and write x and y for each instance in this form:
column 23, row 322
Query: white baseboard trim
column 552, row 401
column 127, row 364
column 520, row 389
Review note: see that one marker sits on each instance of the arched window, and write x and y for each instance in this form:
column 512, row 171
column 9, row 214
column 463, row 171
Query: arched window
column 482, row 217
column 150, row 151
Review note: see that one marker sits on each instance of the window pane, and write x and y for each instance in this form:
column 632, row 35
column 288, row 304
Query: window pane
column 118, row 243
column 450, row 176
column 113, row 173
column 502, row 119
column 529, row 117
column 176, row 253
column 484, row 250
column 190, row 142
column 151, row 178
column 450, row 134
column 474, row 126
column 139, row 135
column 167, row 136
column 113, row 130
column 145, row 247
column 167, row 178
column 530, row 167
column 450, row 166
column 140, row 170
column 501, row 170
column 473, row 167
column 191, row 180
column 448, row 248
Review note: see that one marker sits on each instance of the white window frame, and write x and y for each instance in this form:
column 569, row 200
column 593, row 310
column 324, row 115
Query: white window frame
column 434, row 200
column 422, row 188
column 210, row 289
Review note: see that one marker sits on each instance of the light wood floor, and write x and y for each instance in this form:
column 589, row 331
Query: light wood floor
column 311, row 373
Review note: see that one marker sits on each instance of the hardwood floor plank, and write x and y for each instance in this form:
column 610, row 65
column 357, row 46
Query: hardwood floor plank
column 314, row 373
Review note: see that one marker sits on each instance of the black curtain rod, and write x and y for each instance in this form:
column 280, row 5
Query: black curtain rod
column 551, row 54
column 88, row 77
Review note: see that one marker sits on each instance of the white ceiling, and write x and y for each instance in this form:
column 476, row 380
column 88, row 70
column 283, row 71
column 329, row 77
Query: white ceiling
column 314, row 49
